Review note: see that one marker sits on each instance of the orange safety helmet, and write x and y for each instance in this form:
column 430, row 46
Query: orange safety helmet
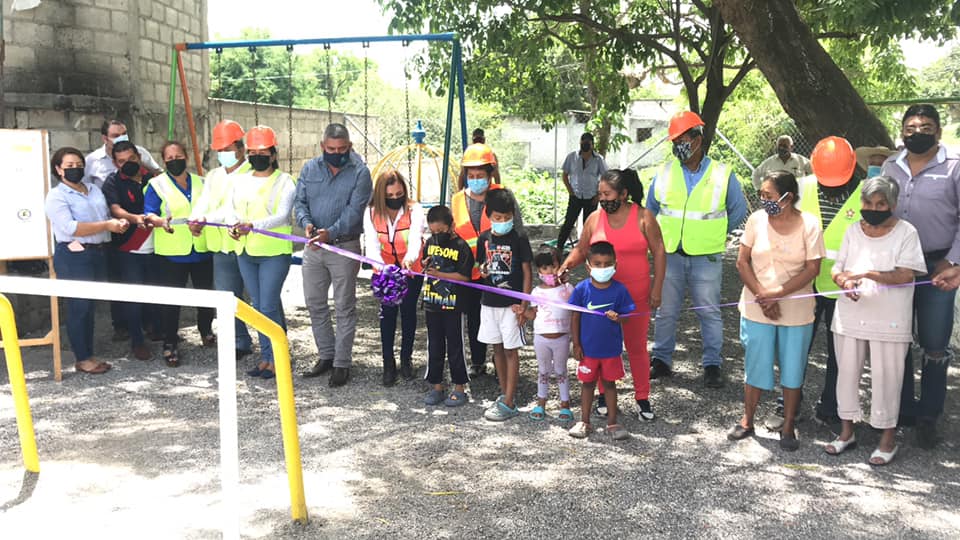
column 683, row 121
column 261, row 137
column 833, row 161
column 226, row 133
column 478, row 155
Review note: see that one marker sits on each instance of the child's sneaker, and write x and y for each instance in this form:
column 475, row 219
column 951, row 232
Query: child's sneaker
column 580, row 430
column 600, row 407
column 434, row 397
column 617, row 432
column 644, row 413
column 500, row 412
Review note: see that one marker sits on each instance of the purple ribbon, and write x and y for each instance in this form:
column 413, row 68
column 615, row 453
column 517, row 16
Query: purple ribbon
column 528, row 297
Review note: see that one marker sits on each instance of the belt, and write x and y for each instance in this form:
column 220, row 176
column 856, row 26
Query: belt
column 345, row 238
column 103, row 245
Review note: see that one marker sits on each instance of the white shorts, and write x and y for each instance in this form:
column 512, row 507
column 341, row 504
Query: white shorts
column 499, row 325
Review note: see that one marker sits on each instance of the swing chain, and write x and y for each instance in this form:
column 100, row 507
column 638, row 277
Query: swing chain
column 253, row 73
column 406, row 100
column 366, row 104
column 219, row 51
column 290, row 108
column 329, row 81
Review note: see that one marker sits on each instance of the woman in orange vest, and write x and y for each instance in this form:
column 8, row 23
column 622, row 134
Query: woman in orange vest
column 393, row 234
column 469, row 221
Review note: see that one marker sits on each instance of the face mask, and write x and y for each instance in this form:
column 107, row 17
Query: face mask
column 478, row 186
column 875, row 217
column 337, row 161
column 773, row 207
column 130, row 169
column 260, row 163
column 683, row 150
column 919, row 143
column 442, row 238
column 176, row 166
column 396, row 204
column 874, row 170
column 550, row 280
column 74, row 175
column 120, row 138
column 603, row 275
column 501, row 227
column 783, row 153
column 611, row 206
column 584, row 147
column 228, row 159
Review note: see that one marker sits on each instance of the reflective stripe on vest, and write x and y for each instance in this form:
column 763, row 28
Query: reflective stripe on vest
column 393, row 252
column 219, row 185
column 464, row 227
column 849, row 214
column 256, row 205
column 697, row 221
column 174, row 204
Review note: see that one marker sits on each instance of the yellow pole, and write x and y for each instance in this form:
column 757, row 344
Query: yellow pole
column 288, row 409
column 18, row 386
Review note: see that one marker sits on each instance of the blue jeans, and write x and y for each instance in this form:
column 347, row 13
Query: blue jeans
column 226, row 277
column 139, row 269
column 703, row 275
column 263, row 277
column 933, row 323
column 87, row 265
column 407, row 310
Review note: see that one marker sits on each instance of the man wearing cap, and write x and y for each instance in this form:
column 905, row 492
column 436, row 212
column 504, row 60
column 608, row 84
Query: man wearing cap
column 929, row 178
column 581, row 174
column 784, row 160
column 697, row 202
column 332, row 192
column 215, row 205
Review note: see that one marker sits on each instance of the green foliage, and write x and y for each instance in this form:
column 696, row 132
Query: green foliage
column 534, row 192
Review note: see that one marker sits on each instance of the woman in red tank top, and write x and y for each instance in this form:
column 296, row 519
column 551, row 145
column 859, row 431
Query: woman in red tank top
column 634, row 232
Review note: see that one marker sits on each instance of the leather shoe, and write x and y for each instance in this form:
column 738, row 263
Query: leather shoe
column 339, row 377
column 406, row 370
column 322, row 366
column 390, row 376
column 141, row 352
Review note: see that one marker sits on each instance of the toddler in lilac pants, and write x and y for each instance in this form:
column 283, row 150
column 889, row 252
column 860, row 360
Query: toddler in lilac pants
column 551, row 328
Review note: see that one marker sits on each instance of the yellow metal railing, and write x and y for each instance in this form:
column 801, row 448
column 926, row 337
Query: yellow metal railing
column 288, row 409
column 18, row 386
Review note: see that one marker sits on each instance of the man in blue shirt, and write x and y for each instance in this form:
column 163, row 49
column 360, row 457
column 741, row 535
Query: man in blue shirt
column 332, row 192
column 700, row 266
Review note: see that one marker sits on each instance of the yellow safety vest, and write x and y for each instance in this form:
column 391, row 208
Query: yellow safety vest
column 174, row 204
column 256, row 204
column 833, row 234
column 698, row 221
column 219, row 184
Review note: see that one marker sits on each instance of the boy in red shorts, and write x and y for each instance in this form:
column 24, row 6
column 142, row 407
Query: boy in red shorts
column 598, row 340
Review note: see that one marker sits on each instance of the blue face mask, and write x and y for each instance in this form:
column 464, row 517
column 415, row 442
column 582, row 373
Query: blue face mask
column 603, row 275
column 874, row 170
column 228, row 159
column 337, row 161
column 501, row 228
column 478, row 186
column 120, row 138
column 773, row 207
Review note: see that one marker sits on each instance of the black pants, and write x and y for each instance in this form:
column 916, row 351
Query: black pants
column 574, row 206
column 468, row 299
column 407, row 310
column 445, row 337
column 176, row 274
column 827, row 406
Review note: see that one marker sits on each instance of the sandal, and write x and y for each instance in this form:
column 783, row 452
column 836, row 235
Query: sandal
column 99, row 368
column 580, row 430
column 618, row 432
column 455, row 399
column 885, row 458
column 268, row 372
column 538, row 413
column 209, row 340
column 565, row 415
column 170, row 356
column 838, row 447
column 739, row 432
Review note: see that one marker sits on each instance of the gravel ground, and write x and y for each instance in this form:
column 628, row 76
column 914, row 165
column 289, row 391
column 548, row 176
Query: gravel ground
column 134, row 453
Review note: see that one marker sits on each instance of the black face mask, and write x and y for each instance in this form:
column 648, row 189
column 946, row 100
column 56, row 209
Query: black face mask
column 919, row 143
column 130, row 169
column 783, row 153
column 875, row 217
column 176, row 166
column 584, row 147
column 611, row 207
column 442, row 238
column 74, row 175
column 396, row 204
column 259, row 163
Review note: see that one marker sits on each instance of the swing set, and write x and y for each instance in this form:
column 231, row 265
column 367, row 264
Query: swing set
column 417, row 152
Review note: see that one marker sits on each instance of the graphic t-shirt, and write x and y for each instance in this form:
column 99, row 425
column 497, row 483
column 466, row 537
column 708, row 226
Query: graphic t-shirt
column 599, row 336
column 504, row 256
column 453, row 256
column 552, row 319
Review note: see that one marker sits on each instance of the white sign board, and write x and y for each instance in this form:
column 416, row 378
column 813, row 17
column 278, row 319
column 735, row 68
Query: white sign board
column 23, row 171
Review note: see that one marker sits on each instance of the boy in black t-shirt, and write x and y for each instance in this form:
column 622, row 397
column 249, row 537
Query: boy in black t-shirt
column 504, row 256
column 447, row 256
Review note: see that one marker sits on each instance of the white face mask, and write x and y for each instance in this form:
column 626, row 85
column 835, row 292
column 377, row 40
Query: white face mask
column 120, row 138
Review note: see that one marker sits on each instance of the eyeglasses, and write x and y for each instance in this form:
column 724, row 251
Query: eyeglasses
column 927, row 128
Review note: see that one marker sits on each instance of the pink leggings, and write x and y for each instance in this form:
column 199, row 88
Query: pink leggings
column 552, row 356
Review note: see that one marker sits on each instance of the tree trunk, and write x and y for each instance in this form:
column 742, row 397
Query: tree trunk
column 811, row 88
